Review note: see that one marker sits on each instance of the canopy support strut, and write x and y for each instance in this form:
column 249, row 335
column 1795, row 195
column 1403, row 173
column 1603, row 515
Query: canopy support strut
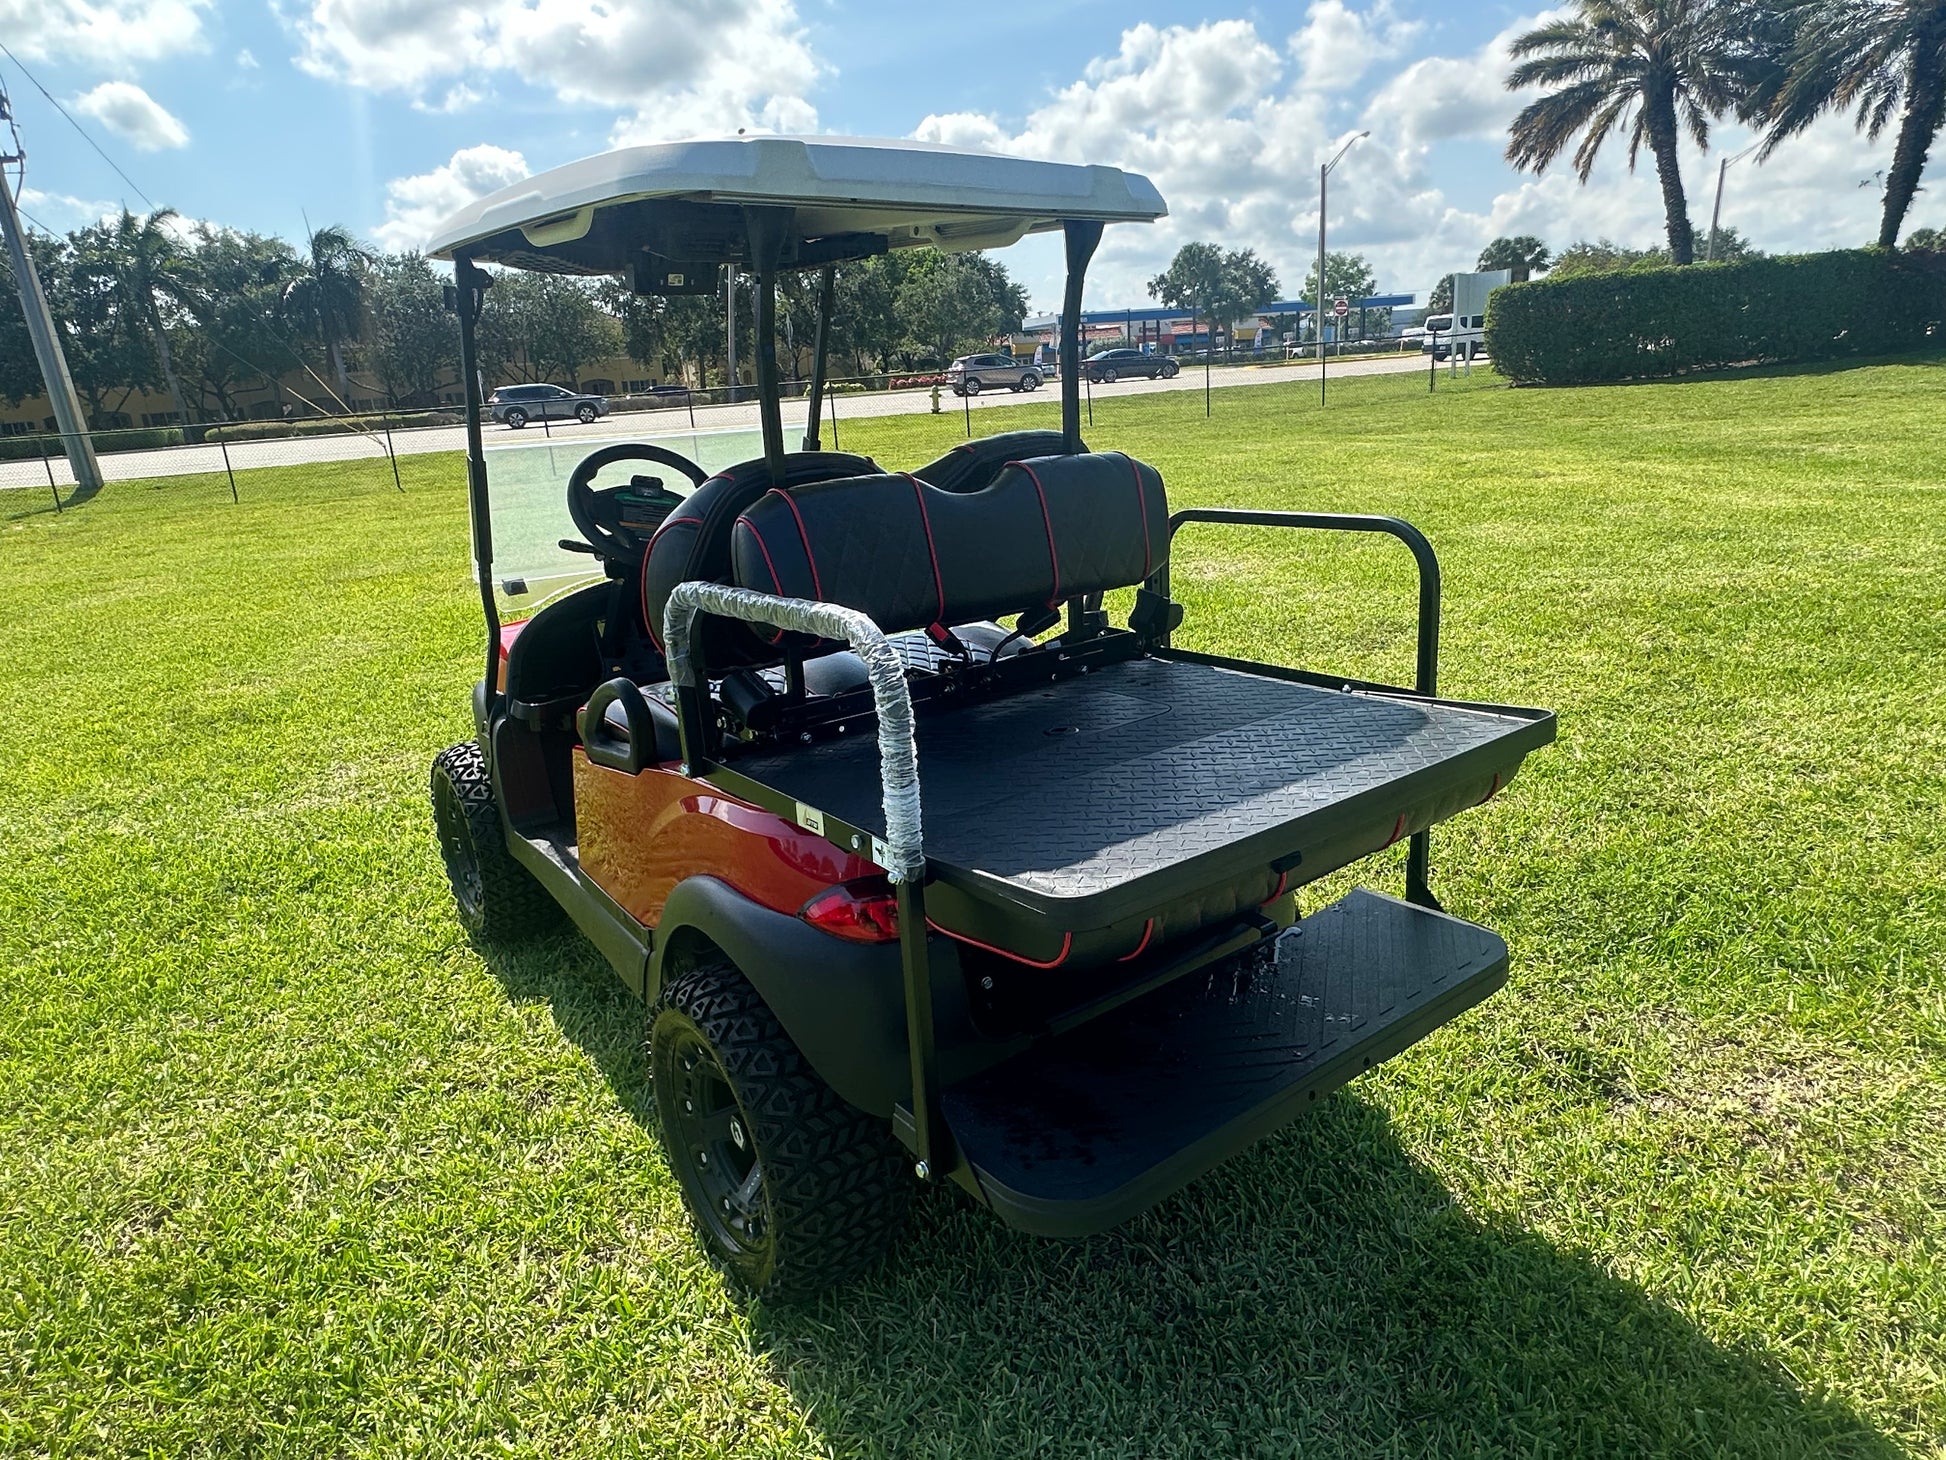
column 1082, row 236
column 766, row 229
column 827, row 283
column 469, row 296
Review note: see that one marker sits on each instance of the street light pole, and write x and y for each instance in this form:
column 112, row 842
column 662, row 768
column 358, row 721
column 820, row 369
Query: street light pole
column 1716, row 213
column 1324, row 173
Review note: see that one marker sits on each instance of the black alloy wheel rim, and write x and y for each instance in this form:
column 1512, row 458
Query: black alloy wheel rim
column 714, row 1147
column 456, row 849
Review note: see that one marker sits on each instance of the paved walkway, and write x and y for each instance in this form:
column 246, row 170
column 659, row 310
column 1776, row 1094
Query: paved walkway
column 246, row 455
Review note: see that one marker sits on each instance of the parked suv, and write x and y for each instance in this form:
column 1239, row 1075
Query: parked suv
column 971, row 374
column 1111, row 365
column 516, row 405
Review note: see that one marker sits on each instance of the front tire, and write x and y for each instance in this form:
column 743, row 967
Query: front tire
column 791, row 1189
column 498, row 900
column 1107, row 377
column 1030, row 381
column 1170, row 369
column 585, row 414
column 516, row 418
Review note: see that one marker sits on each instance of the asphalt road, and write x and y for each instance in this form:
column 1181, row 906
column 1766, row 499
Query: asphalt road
column 245, row 455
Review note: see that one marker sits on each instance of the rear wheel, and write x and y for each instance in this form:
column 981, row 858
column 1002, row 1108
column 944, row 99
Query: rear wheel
column 792, row 1189
column 972, row 385
column 585, row 414
column 516, row 418
column 497, row 898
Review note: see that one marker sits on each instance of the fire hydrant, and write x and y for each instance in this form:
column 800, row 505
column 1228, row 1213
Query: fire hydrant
column 935, row 397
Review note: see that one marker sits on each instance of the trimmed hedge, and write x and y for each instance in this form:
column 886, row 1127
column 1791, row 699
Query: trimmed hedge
column 133, row 438
column 279, row 430
column 1647, row 323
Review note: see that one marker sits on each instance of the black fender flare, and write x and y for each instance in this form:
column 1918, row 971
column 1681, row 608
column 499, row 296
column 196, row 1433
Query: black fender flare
column 842, row 1003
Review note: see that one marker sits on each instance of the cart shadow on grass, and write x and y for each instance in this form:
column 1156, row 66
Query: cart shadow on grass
column 1327, row 1294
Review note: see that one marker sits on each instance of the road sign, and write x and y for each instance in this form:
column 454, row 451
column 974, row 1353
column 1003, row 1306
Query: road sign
column 1341, row 308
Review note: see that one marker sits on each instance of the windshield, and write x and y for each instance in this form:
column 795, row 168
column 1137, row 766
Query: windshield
column 527, row 481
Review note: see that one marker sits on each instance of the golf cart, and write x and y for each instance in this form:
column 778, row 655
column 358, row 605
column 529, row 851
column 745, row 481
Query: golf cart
column 924, row 866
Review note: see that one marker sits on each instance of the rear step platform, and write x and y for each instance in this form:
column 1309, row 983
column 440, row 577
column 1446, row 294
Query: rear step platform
column 1090, row 1127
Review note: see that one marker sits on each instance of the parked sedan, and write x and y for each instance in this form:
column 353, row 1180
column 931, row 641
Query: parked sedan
column 516, row 405
column 1112, row 365
column 971, row 374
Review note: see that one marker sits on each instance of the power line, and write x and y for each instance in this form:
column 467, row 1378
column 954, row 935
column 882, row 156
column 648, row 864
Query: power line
column 77, row 127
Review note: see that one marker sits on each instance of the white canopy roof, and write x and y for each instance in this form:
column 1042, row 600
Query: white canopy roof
column 686, row 194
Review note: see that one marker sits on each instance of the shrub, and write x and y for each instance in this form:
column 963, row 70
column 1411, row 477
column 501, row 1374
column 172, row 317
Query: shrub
column 328, row 426
column 139, row 438
column 1644, row 323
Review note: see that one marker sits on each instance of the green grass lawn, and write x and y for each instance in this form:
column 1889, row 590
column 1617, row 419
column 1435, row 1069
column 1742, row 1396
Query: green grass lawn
column 287, row 1167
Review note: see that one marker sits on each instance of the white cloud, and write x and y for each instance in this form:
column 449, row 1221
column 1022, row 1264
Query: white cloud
column 245, row 61
column 133, row 115
column 112, row 34
column 63, row 211
column 673, row 68
column 1232, row 130
column 415, row 206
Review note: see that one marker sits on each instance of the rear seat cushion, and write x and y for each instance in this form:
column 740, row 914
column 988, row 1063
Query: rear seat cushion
column 909, row 555
column 694, row 543
column 973, row 465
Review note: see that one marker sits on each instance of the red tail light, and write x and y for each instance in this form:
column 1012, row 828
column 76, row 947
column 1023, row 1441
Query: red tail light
column 859, row 912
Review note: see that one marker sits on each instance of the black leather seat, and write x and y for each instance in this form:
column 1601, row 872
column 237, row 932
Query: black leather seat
column 910, row 555
column 693, row 543
column 972, row 466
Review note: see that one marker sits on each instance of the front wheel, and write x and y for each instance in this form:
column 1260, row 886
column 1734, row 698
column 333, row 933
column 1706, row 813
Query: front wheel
column 497, row 898
column 516, row 418
column 1030, row 381
column 1170, row 369
column 792, row 1189
column 585, row 414
column 1107, row 377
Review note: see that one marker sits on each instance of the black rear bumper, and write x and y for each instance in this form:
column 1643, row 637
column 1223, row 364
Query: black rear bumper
column 1087, row 1129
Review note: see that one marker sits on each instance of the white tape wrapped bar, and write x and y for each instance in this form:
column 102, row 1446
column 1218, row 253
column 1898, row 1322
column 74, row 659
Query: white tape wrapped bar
column 898, row 755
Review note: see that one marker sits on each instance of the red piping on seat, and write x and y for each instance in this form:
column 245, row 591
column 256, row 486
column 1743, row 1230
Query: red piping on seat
column 1148, row 931
column 803, row 537
column 1047, row 520
column 1492, row 791
column 1398, row 830
column 775, row 582
column 655, row 537
column 1067, row 947
column 925, row 521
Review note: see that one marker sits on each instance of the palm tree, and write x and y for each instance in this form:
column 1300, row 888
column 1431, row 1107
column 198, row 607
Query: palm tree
column 326, row 301
column 146, row 262
column 1876, row 57
column 1525, row 255
column 1647, row 68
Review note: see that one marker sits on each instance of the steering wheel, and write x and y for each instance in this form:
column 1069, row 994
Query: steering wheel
column 617, row 522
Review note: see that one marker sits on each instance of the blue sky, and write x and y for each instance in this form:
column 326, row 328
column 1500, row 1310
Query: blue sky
column 385, row 114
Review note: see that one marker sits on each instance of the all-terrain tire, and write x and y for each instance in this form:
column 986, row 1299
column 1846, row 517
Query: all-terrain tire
column 805, row 1191
column 498, row 899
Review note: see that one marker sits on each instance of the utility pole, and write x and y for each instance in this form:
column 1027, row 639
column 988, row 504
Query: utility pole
column 1323, row 173
column 40, row 325
column 1716, row 213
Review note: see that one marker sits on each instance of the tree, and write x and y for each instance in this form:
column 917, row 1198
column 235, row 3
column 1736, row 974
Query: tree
column 1605, row 256
column 544, row 326
column 1874, row 58
column 1526, row 255
column 142, row 264
column 1347, row 276
column 951, row 302
column 1221, row 287
column 1647, row 68
column 235, row 288
column 414, row 339
column 325, row 303
column 1441, row 298
column 665, row 332
column 1926, row 240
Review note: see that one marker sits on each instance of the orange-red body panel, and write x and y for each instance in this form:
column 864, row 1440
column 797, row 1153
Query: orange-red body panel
column 641, row 834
